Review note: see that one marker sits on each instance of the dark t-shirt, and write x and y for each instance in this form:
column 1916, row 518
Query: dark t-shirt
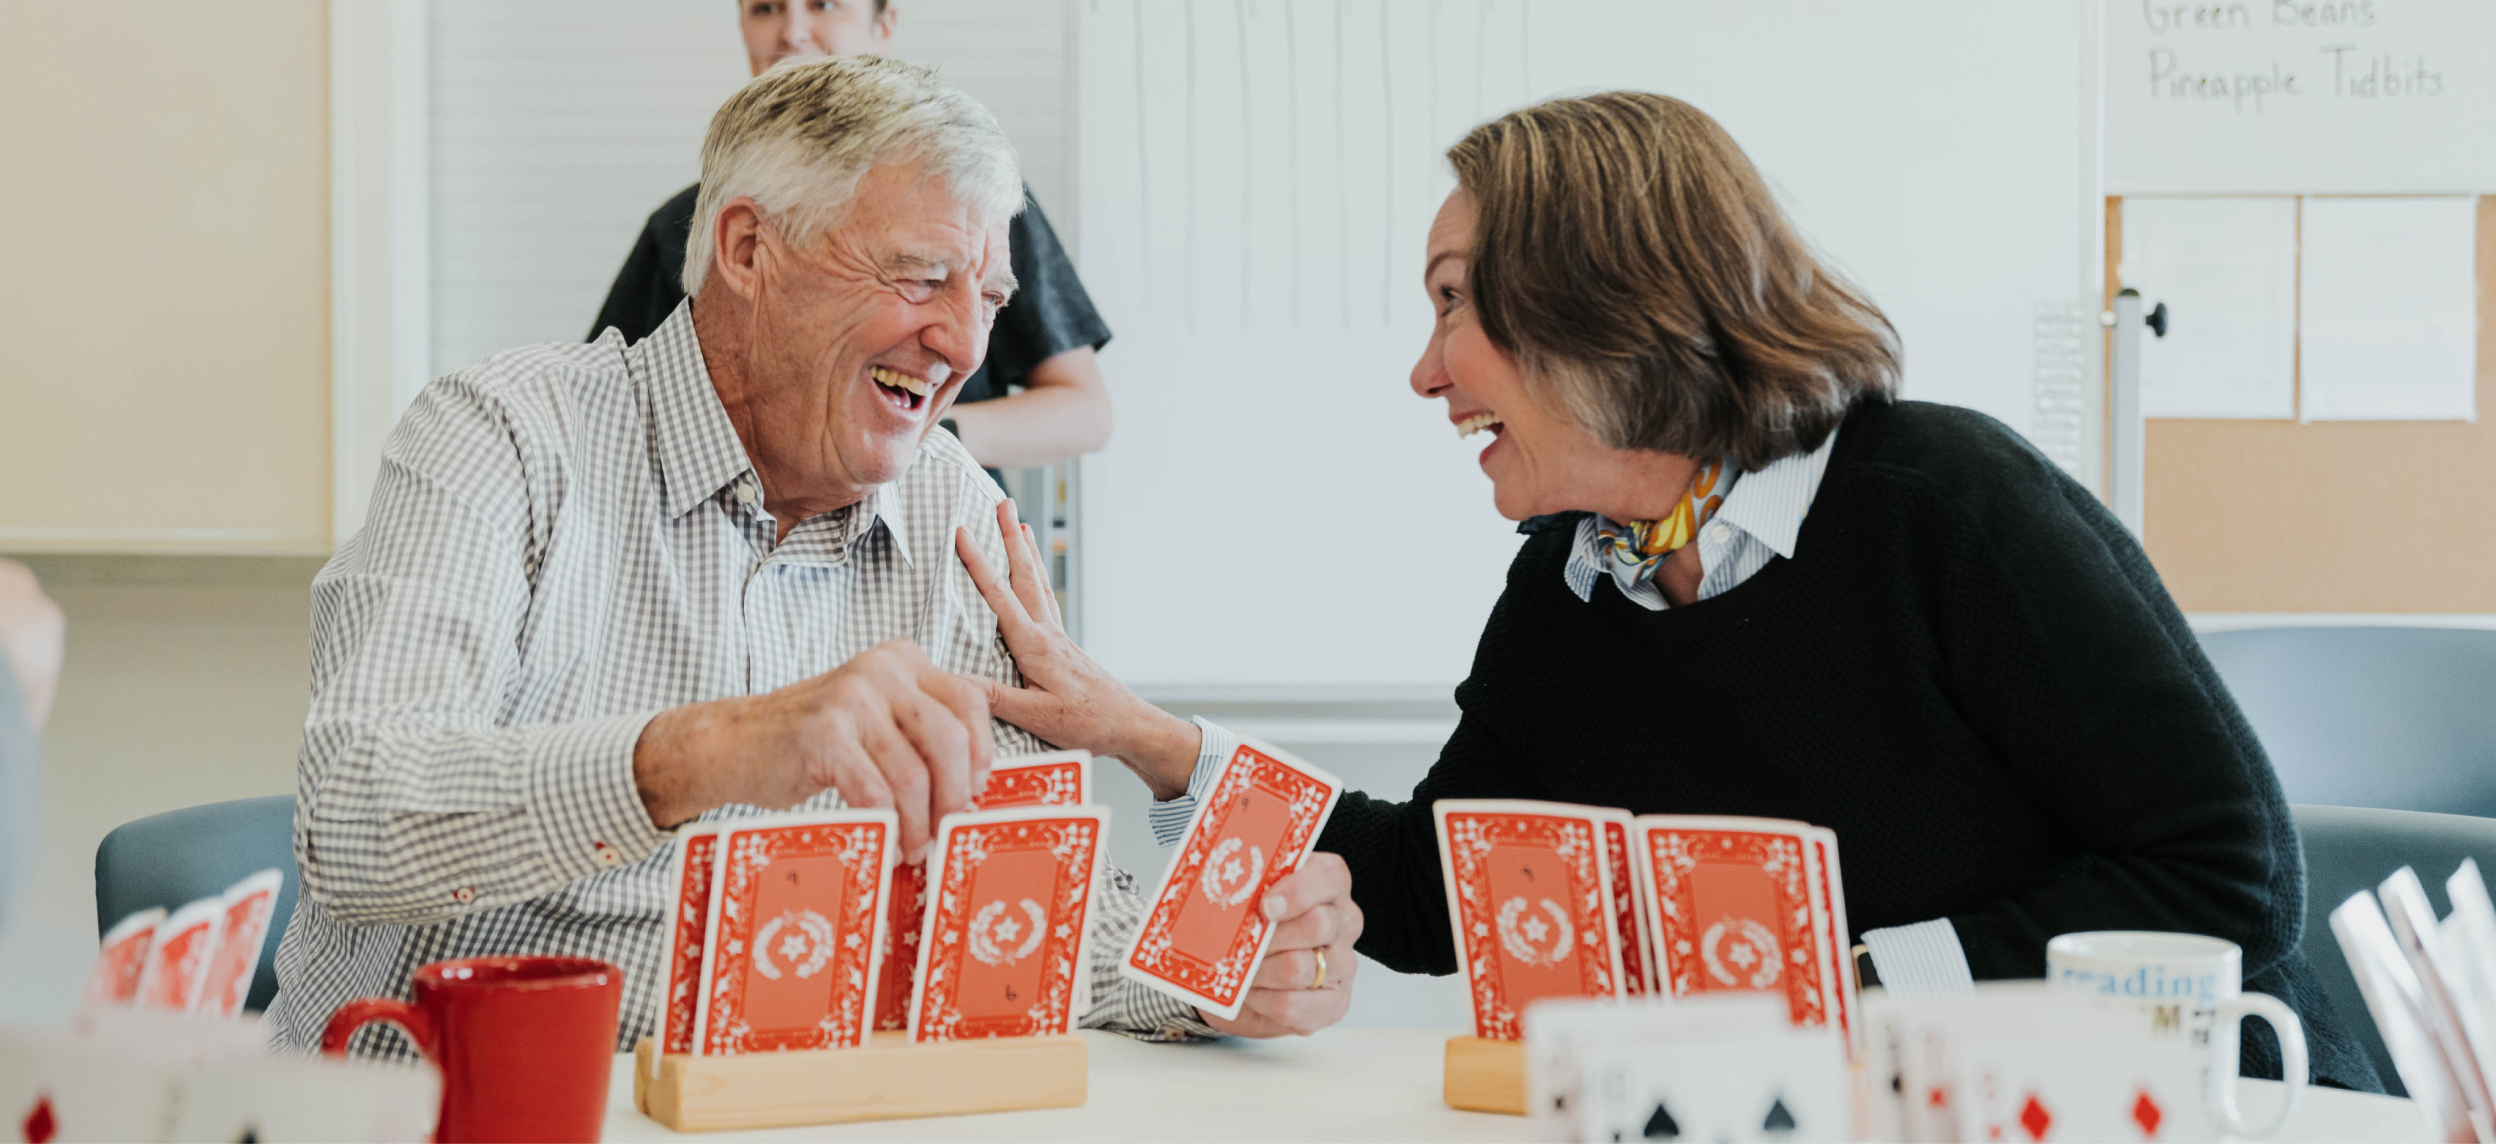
column 1049, row 315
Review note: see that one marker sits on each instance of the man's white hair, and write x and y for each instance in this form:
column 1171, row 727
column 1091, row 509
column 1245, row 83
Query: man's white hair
column 798, row 138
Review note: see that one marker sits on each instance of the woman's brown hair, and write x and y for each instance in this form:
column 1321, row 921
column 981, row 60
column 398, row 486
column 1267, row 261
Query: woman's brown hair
column 1633, row 261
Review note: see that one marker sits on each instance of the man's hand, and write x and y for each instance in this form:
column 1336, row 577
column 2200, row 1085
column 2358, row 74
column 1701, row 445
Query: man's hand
column 888, row 728
column 31, row 630
column 1314, row 917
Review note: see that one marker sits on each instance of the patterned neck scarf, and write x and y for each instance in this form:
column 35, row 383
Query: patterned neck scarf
column 1639, row 547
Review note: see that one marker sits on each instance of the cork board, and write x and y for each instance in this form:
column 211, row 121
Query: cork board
column 2339, row 516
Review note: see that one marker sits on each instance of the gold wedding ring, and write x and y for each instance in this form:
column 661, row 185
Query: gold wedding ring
column 1320, row 983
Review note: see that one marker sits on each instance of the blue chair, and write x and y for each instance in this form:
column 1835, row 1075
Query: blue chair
column 2399, row 718
column 2350, row 848
column 180, row 856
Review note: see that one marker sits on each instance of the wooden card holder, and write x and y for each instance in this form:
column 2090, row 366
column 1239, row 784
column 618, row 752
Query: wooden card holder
column 889, row 1079
column 1485, row 1076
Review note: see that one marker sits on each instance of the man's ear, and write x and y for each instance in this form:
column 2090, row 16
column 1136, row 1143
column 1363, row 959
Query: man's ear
column 888, row 20
column 740, row 245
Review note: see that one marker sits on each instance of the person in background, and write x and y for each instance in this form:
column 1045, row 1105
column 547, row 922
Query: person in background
column 1756, row 583
column 1038, row 398
column 31, row 630
column 604, row 590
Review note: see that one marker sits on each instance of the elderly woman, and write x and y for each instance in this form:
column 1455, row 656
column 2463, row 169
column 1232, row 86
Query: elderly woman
column 1757, row 583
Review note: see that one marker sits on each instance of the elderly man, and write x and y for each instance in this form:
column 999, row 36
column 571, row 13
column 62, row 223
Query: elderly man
column 607, row 589
column 1038, row 398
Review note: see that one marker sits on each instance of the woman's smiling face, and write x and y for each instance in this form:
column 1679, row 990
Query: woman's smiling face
column 1539, row 461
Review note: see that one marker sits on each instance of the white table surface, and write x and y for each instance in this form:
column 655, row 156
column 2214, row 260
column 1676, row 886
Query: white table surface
column 1342, row 1084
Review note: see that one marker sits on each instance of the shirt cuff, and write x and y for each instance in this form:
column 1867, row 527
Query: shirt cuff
column 1169, row 818
column 1920, row 960
column 583, row 799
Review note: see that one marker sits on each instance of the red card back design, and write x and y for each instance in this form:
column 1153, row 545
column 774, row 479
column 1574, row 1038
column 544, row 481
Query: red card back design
column 123, row 957
column 1061, row 778
column 793, row 944
column 1006, row 936
column 241, row 933
column 689, row 923
column 178, row 960
column 1734, row 914
column 1625, row 927
column 1832, row 891
column 1205, row 933
column 901, row 946
column 1529, row 898
column 1057, row 779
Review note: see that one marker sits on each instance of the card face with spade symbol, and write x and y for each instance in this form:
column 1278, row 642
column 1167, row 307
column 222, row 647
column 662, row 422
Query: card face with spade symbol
column 1206, row 932
column 1529, row 894
column 790, row 959
column 1782, row 1086
column 1059, row 778
column 1006, row 946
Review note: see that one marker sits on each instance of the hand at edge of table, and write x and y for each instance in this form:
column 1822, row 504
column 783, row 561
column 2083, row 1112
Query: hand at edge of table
column 1312, row 909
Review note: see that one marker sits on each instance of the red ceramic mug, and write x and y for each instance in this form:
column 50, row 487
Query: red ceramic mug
column 525, row 1044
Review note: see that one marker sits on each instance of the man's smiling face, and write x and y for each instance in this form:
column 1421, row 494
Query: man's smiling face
column 860, row 343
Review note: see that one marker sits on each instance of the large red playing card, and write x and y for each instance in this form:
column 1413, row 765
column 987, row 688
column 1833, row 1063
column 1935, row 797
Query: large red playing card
column 1205, row 933
column 1006, row 947
column 790, row 959
column 1628, row 915
column 123, row 957
column 1829, row 887
column 692, row 868
column 1059, row 778
column 1529, row 897
column 177, row 961
column 1734, row 904
column 241, row 933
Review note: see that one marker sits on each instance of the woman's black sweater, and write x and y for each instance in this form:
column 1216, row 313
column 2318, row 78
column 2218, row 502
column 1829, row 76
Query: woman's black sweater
column 1969, row 670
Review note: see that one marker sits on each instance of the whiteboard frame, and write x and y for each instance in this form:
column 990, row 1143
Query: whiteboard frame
column 380, row 237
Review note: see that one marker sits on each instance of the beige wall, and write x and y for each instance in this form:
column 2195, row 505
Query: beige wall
column 164, row 329
column 185, row 683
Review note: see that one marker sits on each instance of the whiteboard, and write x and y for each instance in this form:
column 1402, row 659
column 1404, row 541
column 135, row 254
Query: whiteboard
column 2301, row 97
column 2228, row 268
column 2389, row 320
column 1277, row 509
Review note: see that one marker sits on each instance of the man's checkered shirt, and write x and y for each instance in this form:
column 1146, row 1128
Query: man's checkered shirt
column 564, row 541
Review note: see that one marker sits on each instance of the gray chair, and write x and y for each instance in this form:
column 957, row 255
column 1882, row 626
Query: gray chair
column 2401, row 718
column 2348, row 849
column 181, row 856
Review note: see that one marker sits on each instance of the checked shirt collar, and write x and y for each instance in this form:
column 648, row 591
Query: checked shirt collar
column 702, row 459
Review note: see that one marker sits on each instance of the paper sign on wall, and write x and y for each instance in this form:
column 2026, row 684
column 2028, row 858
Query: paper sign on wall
column 2389, row 322
column 2227, row 269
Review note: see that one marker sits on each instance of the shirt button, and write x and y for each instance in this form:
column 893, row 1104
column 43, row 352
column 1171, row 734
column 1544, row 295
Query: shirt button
column 746, row 494
column 607, row 856
column 463, row 895
column 1720, row 532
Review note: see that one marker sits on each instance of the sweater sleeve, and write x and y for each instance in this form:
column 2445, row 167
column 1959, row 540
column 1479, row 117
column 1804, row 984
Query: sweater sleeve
column 2064, row 652
column 1392, row 849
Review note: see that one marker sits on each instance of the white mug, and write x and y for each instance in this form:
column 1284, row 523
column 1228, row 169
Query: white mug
column 2188, row 986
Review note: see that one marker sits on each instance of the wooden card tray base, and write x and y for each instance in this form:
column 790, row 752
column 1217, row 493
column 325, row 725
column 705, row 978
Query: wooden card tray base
column 1485, row 1076
column 890, row 1078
